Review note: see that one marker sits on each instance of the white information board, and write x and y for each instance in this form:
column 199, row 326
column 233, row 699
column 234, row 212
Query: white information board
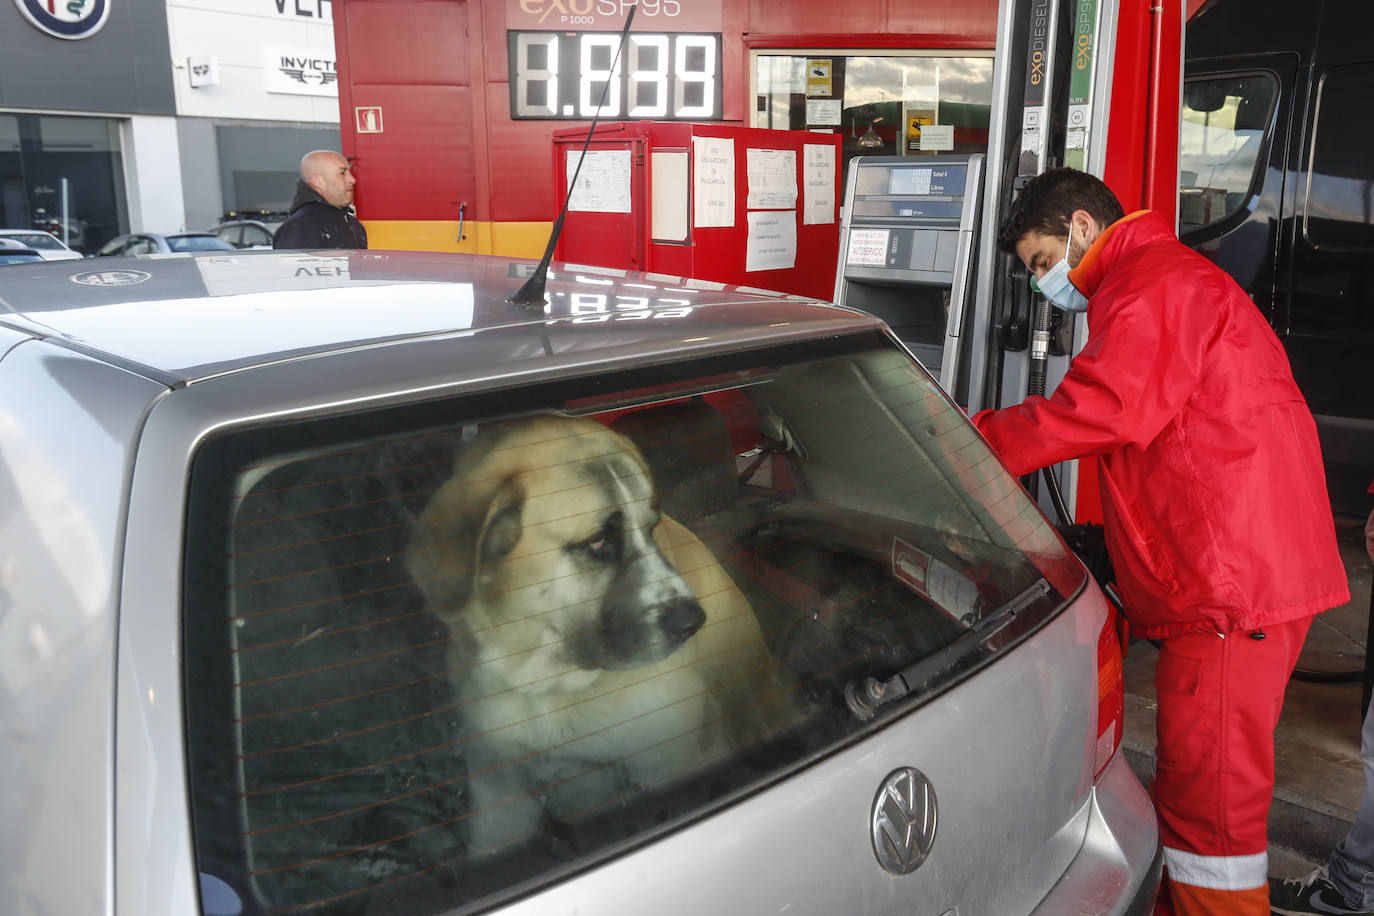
column 818, row 183
column 668, row 177
column 867, row 247
column 772, row 243
column 772, row 177
column 937, row 137
column 823, row 111
column 603, row 184
column 713, row 182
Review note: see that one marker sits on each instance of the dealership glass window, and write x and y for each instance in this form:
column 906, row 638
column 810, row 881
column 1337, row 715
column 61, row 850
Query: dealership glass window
column 1222, row 136
column 258, row 166
column 51, row 165
column 881, row 104
column 1339, row 211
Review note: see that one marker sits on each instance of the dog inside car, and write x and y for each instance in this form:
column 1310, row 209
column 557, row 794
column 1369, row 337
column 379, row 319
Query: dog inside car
column 597, row 647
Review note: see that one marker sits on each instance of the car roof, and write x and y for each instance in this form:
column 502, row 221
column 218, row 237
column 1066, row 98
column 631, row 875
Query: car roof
column 180, row 318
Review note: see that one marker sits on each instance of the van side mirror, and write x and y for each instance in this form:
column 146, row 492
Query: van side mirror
column 1205, row 95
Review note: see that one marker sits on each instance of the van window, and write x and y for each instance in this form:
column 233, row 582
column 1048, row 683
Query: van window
column 1339, row 212
column 438, row 653
column 1225, row 121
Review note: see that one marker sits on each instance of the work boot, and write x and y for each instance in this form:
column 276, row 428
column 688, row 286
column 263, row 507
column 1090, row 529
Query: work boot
column 1314, row 894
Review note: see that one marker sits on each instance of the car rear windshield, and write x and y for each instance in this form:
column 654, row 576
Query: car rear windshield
column 196, row 243
column 443, row 653
column 39, row 240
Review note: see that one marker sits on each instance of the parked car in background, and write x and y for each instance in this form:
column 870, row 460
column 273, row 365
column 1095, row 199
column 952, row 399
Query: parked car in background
column 250, row 228
column 48, row 246
column 13, row 252
column 153, row 243
column 341, row 584
column 244, row 233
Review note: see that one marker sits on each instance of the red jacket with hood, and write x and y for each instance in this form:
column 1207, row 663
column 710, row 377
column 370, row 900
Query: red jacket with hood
column 1213, row 493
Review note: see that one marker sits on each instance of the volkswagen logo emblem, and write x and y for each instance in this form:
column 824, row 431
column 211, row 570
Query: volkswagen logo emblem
column 904, row 820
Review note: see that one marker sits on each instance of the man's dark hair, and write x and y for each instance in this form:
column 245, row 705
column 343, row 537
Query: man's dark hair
column 1047, row 202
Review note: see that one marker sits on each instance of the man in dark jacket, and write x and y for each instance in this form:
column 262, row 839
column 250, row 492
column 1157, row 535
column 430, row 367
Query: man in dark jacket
column 322, row 211
column 1214, row 504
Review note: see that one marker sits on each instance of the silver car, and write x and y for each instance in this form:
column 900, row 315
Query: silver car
column 246, row 233
column 155, row 243
column 48, row 246
column 338, row 584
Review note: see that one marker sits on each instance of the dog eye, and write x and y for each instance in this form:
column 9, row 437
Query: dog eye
column 601, row 548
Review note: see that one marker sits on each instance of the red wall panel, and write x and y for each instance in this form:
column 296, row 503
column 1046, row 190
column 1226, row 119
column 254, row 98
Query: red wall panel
column 521, row 176
column 801, row 17
column 874, row 23
column 421, row 165
column 418, row 43
column 970, row 21
column 497, row 67
column 624, row 240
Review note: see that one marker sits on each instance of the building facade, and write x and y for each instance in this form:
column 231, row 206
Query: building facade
column 158, row 115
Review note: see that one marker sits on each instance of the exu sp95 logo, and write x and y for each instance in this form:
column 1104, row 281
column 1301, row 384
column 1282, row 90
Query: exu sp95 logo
column 565, row 12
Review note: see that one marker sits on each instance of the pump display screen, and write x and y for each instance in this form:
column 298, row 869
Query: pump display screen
column 663, row 76
column 938, row 181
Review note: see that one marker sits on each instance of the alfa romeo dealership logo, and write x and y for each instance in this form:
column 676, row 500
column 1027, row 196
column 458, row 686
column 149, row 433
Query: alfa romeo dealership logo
column 111, row 277
column 66, row 18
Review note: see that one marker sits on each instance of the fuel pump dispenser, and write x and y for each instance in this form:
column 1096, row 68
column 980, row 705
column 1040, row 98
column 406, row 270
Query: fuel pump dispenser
column 1091, row 84
column 906, row 239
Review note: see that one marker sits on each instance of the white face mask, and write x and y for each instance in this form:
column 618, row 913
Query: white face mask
column 1056, row 286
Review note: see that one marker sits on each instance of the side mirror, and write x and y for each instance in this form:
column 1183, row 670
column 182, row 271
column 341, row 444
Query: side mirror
column 1205, row 95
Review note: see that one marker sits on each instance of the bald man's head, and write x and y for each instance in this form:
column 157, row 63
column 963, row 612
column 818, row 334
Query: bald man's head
column 330, row 175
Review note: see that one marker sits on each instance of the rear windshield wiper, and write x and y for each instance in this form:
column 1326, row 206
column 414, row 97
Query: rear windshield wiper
column 863, row 697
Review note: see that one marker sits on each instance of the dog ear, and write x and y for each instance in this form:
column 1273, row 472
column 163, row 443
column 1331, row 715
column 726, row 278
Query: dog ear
column 467, row 525
column 502, row 526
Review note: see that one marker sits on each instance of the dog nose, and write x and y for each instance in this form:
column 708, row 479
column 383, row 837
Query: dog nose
column 682, row 618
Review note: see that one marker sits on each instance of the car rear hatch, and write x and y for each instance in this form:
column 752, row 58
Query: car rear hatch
column 766, row 630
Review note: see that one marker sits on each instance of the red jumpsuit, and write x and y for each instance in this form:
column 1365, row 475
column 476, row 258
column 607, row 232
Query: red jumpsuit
column 1218, row 524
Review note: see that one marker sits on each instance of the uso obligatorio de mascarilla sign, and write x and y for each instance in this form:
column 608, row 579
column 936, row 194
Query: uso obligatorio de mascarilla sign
column 70, row 19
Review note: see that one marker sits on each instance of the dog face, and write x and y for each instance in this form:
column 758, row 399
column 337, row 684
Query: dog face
column 540, row 549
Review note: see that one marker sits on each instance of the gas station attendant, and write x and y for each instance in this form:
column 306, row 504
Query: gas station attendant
column 1215, row 508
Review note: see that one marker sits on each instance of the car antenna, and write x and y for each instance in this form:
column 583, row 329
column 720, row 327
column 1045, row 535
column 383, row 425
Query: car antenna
column 531, row 294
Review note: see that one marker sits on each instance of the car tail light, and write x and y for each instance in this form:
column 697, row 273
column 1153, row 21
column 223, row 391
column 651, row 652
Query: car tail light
column 1111, row 694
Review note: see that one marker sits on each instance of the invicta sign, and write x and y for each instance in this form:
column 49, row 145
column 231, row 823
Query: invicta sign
column 71, row 19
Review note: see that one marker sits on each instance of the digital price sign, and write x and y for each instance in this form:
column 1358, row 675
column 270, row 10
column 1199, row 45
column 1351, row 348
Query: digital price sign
column 660, row 75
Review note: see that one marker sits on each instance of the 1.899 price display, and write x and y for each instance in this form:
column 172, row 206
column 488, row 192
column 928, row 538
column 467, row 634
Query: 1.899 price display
column 663, row 76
